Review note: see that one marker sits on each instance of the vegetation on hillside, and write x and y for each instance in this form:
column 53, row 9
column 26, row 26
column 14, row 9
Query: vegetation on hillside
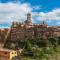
column 36, row 49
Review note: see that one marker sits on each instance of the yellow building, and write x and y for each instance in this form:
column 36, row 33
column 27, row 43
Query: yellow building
column 6, row 54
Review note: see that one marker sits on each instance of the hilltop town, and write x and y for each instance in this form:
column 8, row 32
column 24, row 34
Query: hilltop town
column 20, row 32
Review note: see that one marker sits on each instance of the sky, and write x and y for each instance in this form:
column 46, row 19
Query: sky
column 41, row 10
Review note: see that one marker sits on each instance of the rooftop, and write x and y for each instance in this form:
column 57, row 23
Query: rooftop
column 6, row 50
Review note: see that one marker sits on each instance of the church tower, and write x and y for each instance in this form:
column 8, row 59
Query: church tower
column 28, row 21
column 29, row 18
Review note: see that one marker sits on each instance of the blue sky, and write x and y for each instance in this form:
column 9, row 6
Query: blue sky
column 41, row 10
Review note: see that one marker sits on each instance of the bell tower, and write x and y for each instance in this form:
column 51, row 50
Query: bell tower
column 29, row 17
column 28, row 20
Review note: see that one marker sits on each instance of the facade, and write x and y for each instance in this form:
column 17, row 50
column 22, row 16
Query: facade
column 57, row 31
column 23, row 31
column 6, row 54
column 17, row 32
column 3, row 32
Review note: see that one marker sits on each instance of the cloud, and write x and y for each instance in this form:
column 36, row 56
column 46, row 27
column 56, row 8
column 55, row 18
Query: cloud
column 17, row 12
column 49, row 16
column 36, row 7
column 14, row 12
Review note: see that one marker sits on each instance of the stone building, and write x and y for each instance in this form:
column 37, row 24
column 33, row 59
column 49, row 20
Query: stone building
column 7, row 54
column 3, row 33
column 17, row 32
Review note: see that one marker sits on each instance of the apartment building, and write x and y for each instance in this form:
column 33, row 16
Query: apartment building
column 7, row 54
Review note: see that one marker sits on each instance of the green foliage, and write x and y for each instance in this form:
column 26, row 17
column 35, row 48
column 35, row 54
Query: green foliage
column 37, row 46
column 53, row 41
column 7, row 45
column 57, row 49
column 50, row 51
column 28, row 45
column 39, row 54
column 10, row 45
column 59, row 40
column 21, row 44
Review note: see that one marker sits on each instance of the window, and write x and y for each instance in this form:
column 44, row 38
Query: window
column 15, row 52
column 5, row 52
column 12, row 53
column 0, row 55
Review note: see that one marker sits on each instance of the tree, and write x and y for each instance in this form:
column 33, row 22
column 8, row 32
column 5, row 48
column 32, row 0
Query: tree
column 28, row 45
column 53, row 41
